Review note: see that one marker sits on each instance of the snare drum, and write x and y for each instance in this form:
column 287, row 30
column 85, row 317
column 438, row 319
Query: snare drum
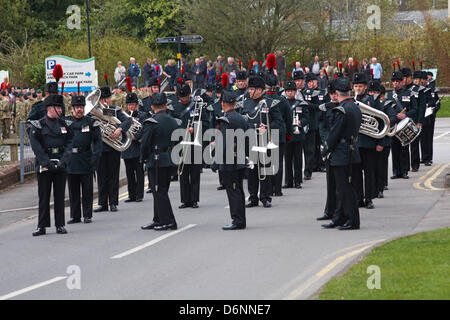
column 407, row 131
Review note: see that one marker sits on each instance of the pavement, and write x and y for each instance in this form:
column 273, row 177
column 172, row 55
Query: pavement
column 283, row 254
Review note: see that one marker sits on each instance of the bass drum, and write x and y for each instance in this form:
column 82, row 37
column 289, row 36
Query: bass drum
column 407, row 131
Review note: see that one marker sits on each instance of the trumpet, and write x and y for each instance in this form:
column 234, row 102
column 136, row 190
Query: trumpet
column 369, row 124
column 108, row 124
column 198, row 107
column 295, row 122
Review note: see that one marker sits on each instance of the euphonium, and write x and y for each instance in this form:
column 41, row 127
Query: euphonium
column 108, row 124
column 369, row 124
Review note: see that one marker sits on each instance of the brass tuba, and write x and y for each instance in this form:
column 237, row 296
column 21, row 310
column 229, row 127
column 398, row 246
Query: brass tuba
column 108, row 123
column 369, row 124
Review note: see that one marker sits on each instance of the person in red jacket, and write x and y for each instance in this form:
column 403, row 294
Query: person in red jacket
column 5, row 85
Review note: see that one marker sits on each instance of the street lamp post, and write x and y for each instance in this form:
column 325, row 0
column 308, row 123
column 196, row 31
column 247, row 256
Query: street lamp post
column 88, row 27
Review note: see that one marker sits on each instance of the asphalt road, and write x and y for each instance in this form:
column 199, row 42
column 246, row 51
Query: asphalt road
column 283, row 253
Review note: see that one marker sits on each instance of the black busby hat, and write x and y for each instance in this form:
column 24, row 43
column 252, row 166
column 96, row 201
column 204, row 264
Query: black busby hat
column 154, row 82
column 54, row 100
column 218, row 88
column 397, row 75
column 417, row 74
column 298, row 75
column 374, row 85
column 183, row 89
column 228, row 96
column 406, row 72
column 310, row 77
column 359, row 77
column 331, row 86
column 131, row 98
column 290, row 85
column 256, row 82
column 51, row 87
column 209, row 88
column 271, row 79
column 343, row 84
column 241, row 75
column 159, row 99
column 78, row 101
column 105, row 92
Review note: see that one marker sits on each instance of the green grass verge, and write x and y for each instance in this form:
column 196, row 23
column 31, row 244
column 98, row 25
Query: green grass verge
column 444, row 111
column 413, row 267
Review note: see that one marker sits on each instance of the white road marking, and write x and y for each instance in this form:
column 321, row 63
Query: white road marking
column 442, row 135
column 154, row 241
column 28, row 289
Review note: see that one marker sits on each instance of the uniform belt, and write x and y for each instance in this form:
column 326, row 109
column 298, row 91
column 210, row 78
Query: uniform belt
column 55, row 150
column 164, row 150
column 80, row 150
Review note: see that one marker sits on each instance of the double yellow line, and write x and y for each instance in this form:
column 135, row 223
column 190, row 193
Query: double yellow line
column 429, row 177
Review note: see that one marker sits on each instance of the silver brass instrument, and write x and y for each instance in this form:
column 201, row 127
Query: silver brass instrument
column 108, row 124
column 263, row 150
column 369, row 124
column 295, row 122
column 198, row 107
column 135, row 127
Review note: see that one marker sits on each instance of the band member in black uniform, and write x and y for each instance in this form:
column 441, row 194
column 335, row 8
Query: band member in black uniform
column 432, row 106
column 241, row 84
column 286, row 123
column 109, row 167
column 86, row 152
column 403, row 103
column 154, row 87
column 51, row 141
column 216, row 114
column 340, row 147
column 416, row 93
column 233, row 173
column 311, row 96
column 325, row 123
column 251, row 109
column 367, row 146
column 156, row 153
column 131, row 156
column 383, row 147
column 38, row 109
column 294, row 146
column 190, row 175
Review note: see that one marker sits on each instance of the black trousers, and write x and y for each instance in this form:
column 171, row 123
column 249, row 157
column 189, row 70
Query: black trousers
column 190, row 183
column 233, row 182
column 278, row 177
column 381, row 168
column 426, row 142
column 330, row 206
column 309, row 149
column 318, row 161
column 415, row 155
column 254, row 183
column 108, row 178
column 400, row 158
column 162, row 209
column 367, row 190
column 84, row 199
column 345, row 198
column 135, row 178
column 45, row 181
column 221, row 178
column 294, row 155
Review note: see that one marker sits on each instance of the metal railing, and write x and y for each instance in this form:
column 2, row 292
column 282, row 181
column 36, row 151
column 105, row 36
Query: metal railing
column 26, row 154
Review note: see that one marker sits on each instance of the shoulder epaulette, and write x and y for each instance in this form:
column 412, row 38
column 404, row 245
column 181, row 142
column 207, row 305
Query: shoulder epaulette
column 150, row 120
column 210, row 108
column 179, row 121
column 341, row 109
column 224, row 119
column 68, row 122
column 96, row 123
column 35, row 123
column 274, row 102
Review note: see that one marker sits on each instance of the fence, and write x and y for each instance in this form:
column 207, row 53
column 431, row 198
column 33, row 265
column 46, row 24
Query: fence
column 26, row 154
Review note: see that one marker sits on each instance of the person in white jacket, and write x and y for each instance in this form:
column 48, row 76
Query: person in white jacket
column 120, row 72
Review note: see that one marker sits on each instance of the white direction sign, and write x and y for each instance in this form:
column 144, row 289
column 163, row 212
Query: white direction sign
column 75, row 71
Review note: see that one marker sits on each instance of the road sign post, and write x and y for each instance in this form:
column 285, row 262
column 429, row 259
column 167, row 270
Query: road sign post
column 179, row 40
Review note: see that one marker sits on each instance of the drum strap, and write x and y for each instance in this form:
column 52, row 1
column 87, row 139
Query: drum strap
column 398, row 103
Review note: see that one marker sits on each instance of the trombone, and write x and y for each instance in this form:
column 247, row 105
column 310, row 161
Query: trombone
column 198, row 107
